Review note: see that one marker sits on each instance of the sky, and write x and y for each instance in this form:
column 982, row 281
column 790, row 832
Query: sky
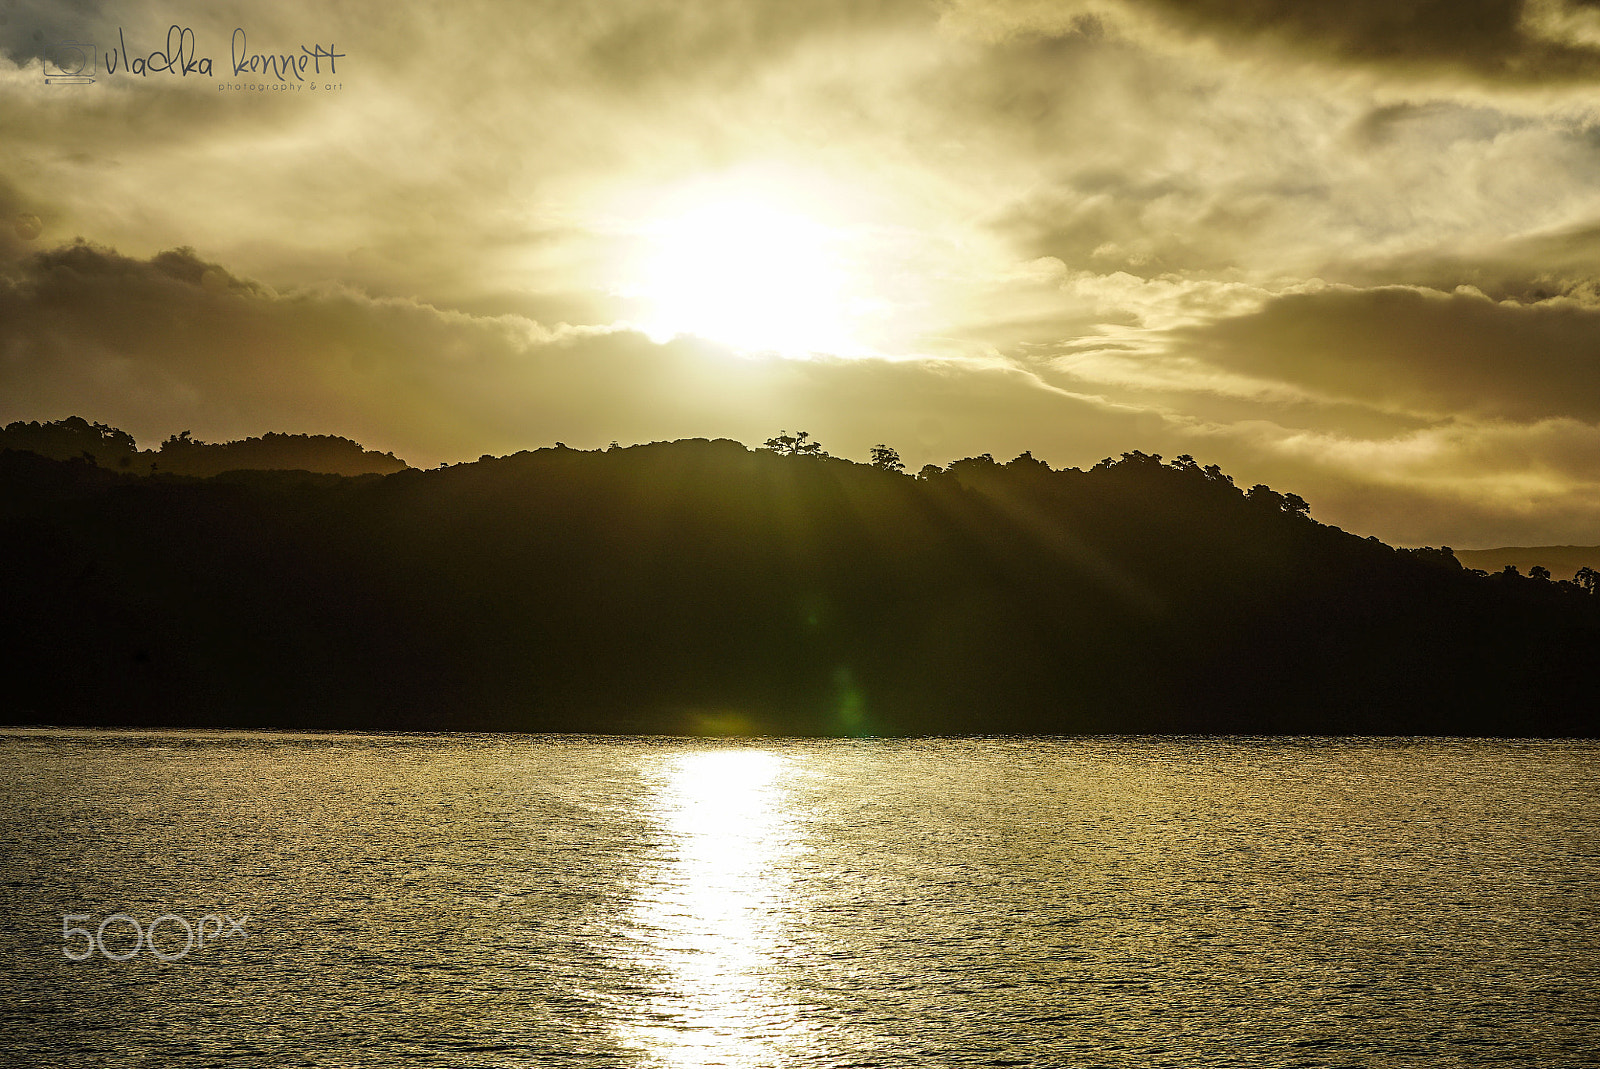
column 1351, row 251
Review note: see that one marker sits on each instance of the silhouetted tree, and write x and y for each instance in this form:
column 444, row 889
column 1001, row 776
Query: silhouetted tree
column 1587, row 578
column 1539, row 572
column 1263, row 495
column 69, row 438
column 795, row 445
column 977, row 466
column 184, row 454
column 1444, row 557
column 886, row 458
column 1296, row 505
column 1132, row 461
column 1026, row 461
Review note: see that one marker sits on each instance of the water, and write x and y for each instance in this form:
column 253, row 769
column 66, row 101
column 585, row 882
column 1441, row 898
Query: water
column 548, row 901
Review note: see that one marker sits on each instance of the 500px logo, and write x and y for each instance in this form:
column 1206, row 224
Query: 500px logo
column 210, row 929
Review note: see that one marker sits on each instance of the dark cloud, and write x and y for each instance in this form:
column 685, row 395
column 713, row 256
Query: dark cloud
column 1528, row 269
column 1489, row 39
column 1436, row 121
column 30, row 29
column 175, row 341
column 1418, row 351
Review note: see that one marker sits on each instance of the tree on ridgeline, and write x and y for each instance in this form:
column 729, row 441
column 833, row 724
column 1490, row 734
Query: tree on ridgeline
column 181, row 442
column 1444, row 557
column 105, row 446
column 1134, row 460
column 795, row 445
column 184, row 454
column 1265, row 496
column 73, row 437
column 1587, row 579
column 886, row 458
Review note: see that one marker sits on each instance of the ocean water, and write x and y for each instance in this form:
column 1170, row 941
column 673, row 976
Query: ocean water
column 461, row 900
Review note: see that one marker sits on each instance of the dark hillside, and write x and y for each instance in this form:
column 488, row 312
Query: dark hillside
column 701, row 586
column 75, row 438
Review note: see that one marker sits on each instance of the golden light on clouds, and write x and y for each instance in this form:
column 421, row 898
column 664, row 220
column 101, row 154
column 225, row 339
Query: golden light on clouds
column 770, row 260
column 747, row 273
column 1074, row 228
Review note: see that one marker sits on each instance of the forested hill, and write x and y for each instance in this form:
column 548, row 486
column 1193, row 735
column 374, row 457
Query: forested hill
column 76, row 438
column 700, row 586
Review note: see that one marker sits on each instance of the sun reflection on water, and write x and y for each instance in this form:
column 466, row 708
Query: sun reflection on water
column 709, row 921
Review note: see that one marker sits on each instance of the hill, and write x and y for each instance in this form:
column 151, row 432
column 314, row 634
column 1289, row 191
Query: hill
column 107, row 447
column 700, row 586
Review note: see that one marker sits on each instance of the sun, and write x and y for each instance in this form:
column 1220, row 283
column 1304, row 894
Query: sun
column 750, row 272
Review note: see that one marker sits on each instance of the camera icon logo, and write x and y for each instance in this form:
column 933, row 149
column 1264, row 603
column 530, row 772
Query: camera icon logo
column 71, row 63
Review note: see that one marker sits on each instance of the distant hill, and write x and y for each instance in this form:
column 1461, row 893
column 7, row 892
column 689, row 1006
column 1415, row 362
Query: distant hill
column 702, row 587
column 1563, row 561
column 76, row 438
column 322, row 453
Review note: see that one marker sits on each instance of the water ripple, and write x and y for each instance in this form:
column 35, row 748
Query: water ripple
column 543, row 901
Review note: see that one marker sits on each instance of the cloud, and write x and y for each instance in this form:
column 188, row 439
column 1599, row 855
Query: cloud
column 454, row 170
column 1220, row 227
column 636, row 47
column 1509, row 42
column 1422, row 415
column 1482, row 484
column 1292, row 187
column 1417, row 351
column 1527, row 269
column 20, row 225
column 176, row 342
column 29, row 28
column 1489, row 39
